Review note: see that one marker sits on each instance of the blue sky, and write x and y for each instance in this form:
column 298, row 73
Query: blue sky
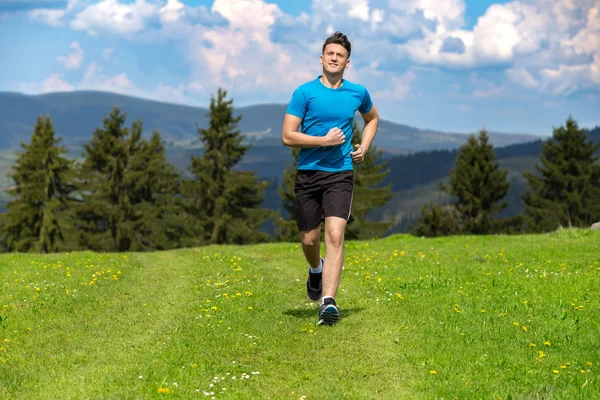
column 455, row 65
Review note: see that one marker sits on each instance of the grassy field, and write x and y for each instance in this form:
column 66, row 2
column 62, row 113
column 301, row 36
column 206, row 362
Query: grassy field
column 488, row 317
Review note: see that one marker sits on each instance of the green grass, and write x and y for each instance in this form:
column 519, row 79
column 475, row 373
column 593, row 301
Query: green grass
column 463, row 317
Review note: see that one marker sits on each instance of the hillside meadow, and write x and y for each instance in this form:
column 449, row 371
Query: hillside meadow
column 469, row 317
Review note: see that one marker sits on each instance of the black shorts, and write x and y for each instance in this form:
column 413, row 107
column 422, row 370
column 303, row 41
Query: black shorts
column 321, row 194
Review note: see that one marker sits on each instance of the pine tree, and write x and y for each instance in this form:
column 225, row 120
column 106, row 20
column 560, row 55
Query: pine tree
column 105, row 205
column 368, row 192
column 438, row 220
column 565, row 191
column 43, row 185
column 225, row 202
column 156, row 221
column 478, row 185
column 286, row 226
column 129, row 190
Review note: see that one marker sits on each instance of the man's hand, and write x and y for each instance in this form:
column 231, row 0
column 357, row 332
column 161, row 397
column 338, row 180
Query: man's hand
column 334, row 137
column 359, row 154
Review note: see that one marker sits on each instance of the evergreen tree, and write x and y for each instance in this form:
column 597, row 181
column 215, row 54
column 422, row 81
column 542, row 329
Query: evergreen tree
column 105, row 205
column 156, row 221
column 566, row 189
column 478, row 185
column 129, row 190
column 286, row 227
column 225, row 202
column 43, row 185
column 437, row 220
column 368, row 192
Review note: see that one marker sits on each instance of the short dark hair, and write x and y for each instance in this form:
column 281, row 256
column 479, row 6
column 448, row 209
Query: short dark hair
column 338, row 38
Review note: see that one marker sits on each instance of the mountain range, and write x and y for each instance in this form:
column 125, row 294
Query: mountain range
column 75, row 116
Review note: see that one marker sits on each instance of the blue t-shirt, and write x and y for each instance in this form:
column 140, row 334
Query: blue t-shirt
column 322, row 108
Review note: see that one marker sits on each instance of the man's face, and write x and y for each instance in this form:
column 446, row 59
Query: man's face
column 335, row 58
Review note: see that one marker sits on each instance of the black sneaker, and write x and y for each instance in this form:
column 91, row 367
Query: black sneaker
column 329, row 313
column 314, row 285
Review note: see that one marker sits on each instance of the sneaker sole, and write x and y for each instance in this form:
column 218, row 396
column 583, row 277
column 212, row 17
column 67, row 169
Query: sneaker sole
column 329, row 316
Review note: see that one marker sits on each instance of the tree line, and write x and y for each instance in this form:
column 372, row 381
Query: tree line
column 563, row 191
column 123, row 195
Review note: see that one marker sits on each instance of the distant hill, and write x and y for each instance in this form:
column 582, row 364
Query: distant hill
column 77, row 114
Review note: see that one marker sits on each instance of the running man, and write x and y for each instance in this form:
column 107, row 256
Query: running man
column 319, row 121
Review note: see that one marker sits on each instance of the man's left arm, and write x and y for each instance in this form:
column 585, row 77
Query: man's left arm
column 371, row 119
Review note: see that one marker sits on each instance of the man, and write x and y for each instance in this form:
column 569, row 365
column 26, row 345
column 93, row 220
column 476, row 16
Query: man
column 319, row 121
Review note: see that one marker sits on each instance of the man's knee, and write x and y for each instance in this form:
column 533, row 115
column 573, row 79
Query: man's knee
column 334, row 237
column 310, row 238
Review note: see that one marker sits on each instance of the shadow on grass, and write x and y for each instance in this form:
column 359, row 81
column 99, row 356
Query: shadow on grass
column 312, row 312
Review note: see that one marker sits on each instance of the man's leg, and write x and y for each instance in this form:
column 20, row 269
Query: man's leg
column 337, row 206
column 311, row 246
column 309, row 197
column 334, row 258
column 312, row 252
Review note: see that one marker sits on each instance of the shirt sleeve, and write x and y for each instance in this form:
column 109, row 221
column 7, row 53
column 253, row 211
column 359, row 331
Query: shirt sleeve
column 366, row 104
column 298, row 104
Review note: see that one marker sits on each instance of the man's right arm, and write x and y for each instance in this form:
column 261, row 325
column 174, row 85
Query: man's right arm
column 293, row 138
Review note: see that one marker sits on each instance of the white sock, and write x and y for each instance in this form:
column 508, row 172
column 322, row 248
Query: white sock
column 317, row 270
column 326, row 297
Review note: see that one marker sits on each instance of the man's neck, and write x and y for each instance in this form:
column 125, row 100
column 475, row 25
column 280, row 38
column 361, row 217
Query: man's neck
column 332, row 81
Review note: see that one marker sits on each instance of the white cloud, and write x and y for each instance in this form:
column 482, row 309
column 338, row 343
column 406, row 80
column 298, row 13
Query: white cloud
column 172, row 94
column 552, row 48
column 502, row 32
column 567, row 79
column 51, row 16
column 397, row 88
column 94, row 79
column 355, row 9
column 248, row 14
column 450, row 14
column 522, row 77
column 171, row 12
column 48, row 16
column 74, row 59
column 595, row 69
column 195, row 87
column 115, row 17
column 251, row 46
column 55, row 83
column 242, row 54
column 107, row 54
column 587, row 40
